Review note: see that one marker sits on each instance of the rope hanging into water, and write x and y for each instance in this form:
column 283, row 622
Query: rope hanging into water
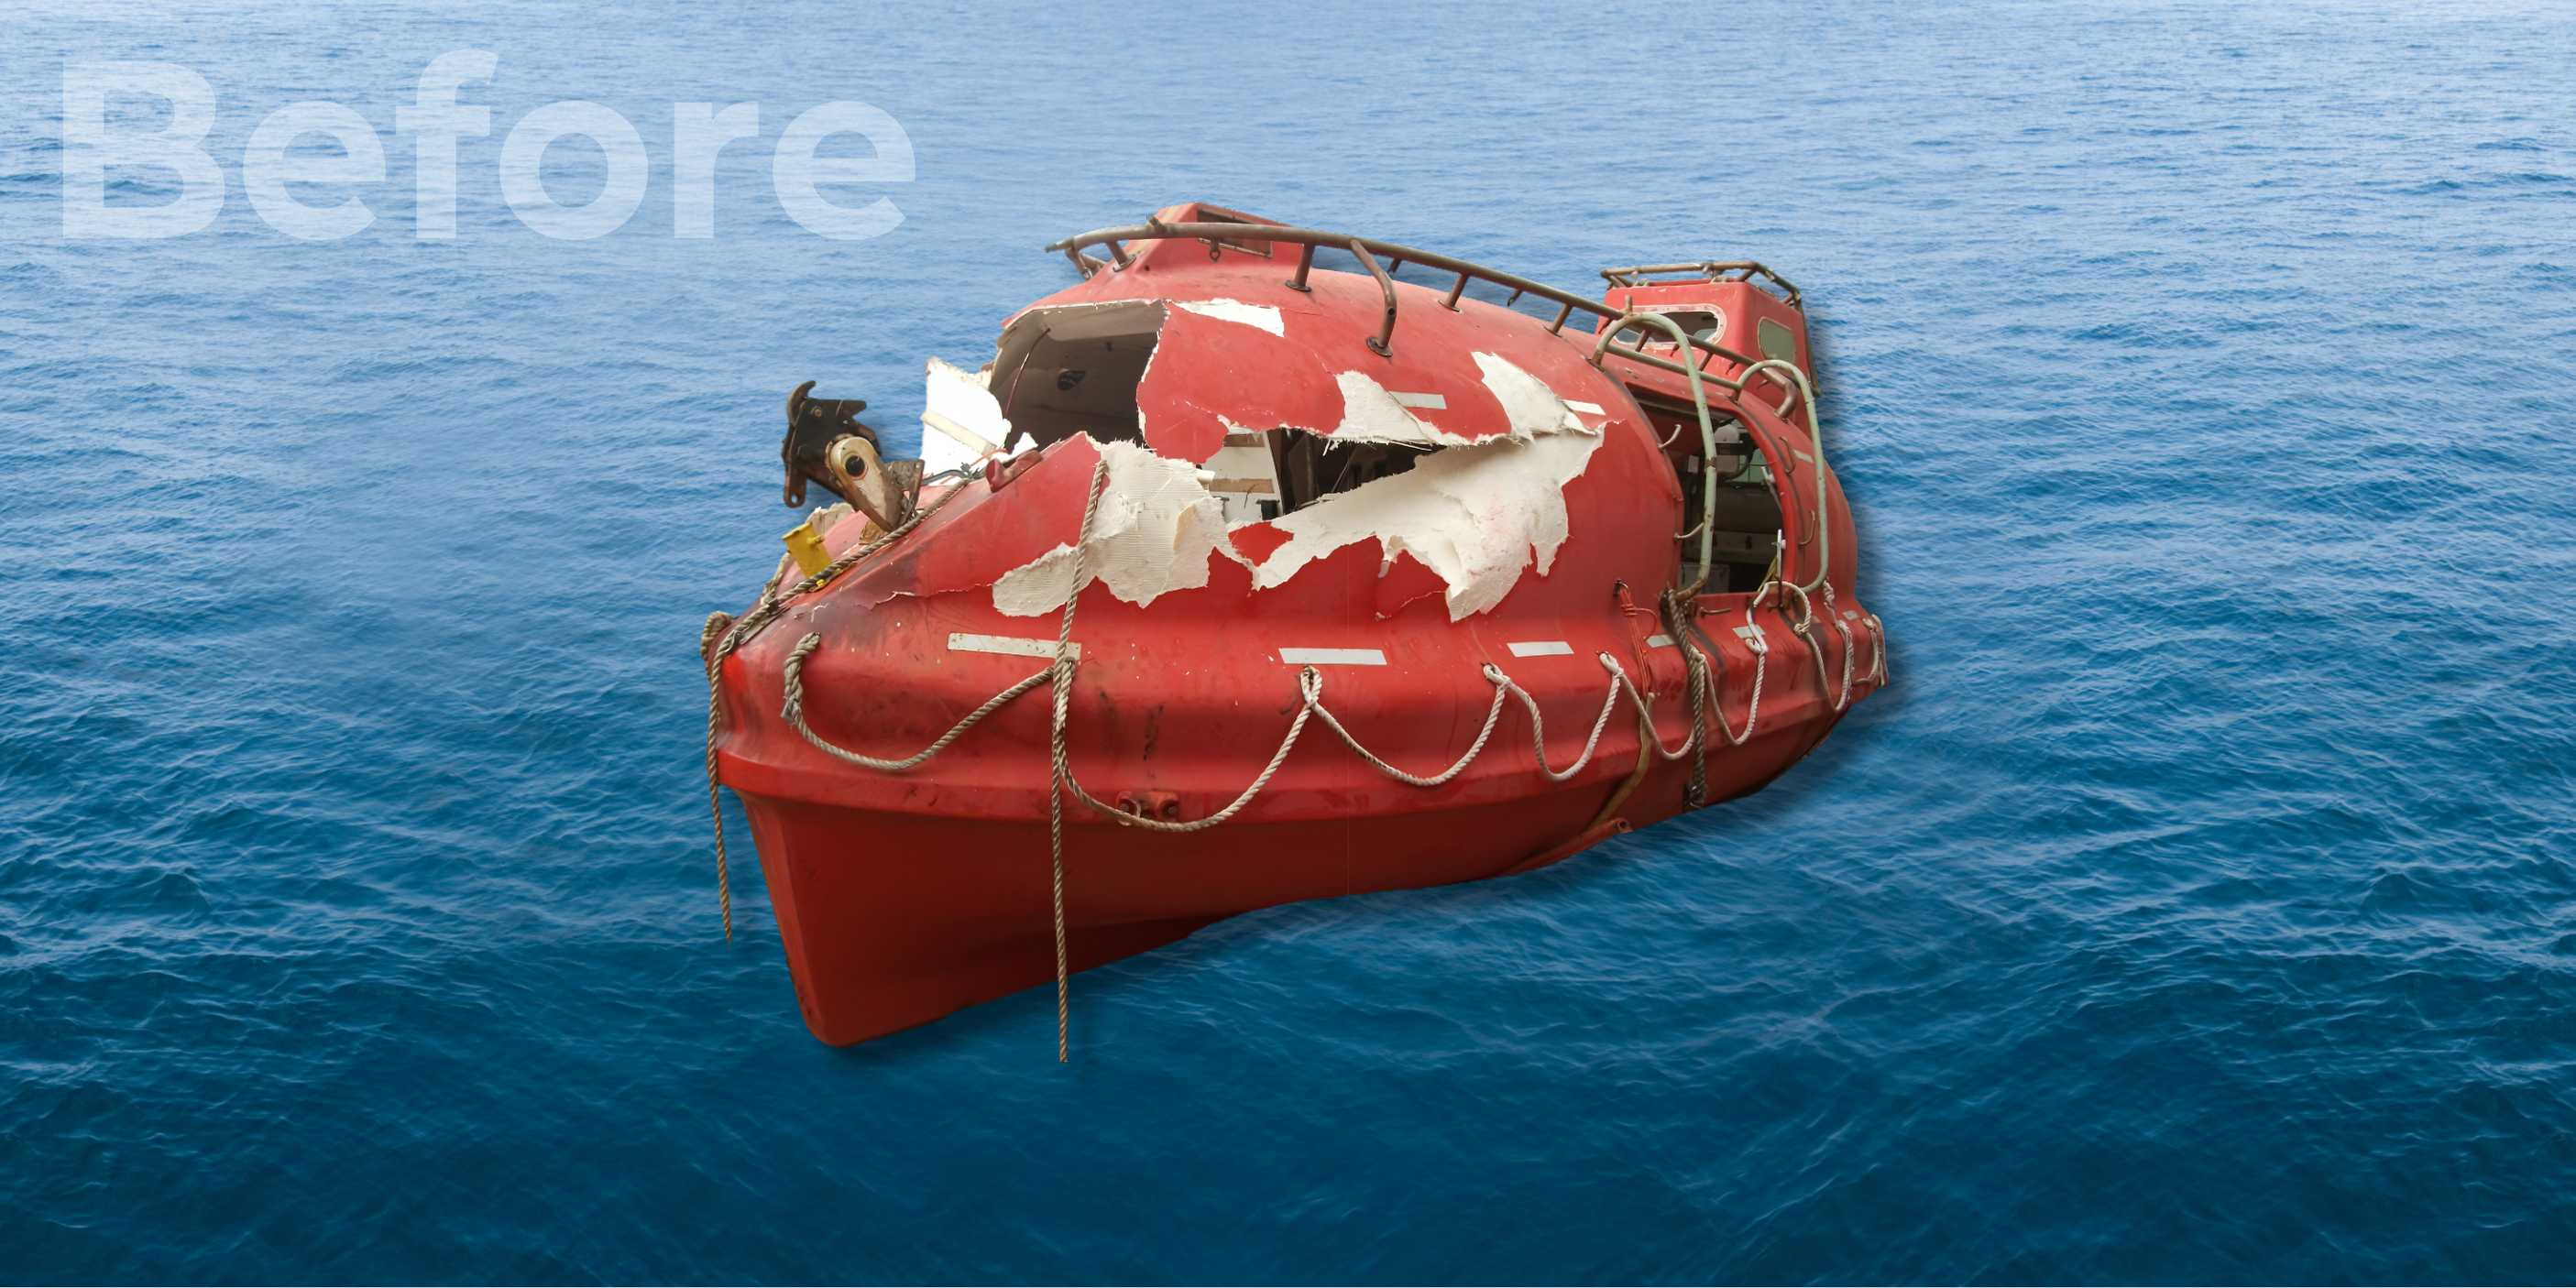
column 1061, row 677
column 738, row 633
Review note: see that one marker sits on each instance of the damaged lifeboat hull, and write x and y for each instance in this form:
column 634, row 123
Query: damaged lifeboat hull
column 1494, row 611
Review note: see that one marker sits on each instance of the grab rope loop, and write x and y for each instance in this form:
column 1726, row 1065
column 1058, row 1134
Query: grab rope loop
column 1645, row 708
column 1834, row 614
column 1805, row 628
column 794, row 712
column 1538, row 724
column 1311, row 686
column 1754, row 639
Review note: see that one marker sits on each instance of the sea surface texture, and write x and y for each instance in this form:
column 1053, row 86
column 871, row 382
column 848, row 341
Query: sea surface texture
column 2197, row 906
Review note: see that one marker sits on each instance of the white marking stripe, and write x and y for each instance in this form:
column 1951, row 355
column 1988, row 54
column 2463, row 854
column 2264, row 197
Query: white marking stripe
column 1427, row 402
column 1332, row 657
column 1588, row 409
column 1542, row 648
column 1263, row 316
column 1006, row 644
column 1748, row 632
column 1659, row 641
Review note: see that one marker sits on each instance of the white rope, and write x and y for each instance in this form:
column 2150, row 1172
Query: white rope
column 1834, row 614
column 1493, row 715
column 1538, row 723
column 1645, row 707
column 1805, row 628
column 794, row 711
column 1761, row 647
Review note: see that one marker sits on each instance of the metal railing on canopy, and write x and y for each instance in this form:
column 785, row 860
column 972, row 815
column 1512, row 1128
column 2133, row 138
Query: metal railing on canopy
column 1713, row 270
column 1367, row 250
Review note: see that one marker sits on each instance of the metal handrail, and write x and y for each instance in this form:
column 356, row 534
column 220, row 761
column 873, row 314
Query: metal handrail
column 1713, row 269
column 1310, row 238
column 1816, row 439
column 1383, row 343
column 1707, row 438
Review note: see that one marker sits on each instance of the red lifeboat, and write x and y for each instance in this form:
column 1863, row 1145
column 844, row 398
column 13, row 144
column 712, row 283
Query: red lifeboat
column 1250, row 581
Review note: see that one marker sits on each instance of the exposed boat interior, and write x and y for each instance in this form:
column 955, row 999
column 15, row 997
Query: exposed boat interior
column 1073, row 370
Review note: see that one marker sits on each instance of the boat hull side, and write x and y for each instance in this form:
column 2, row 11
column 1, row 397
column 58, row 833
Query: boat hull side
column 891, row 921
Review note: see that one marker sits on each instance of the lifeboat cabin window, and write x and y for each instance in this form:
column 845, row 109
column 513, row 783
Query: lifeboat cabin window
column 1776, row 340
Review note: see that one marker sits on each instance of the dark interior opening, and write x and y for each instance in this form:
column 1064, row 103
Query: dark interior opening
column 1746, row 536
column 1068, row 371
column 1314, row 466
column 1076, row 372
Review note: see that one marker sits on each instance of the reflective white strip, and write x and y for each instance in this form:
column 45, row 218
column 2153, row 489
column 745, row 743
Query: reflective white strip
column 1332, row 657
column 1542, row 648
column 1588, row 409
column 1006, row 644
column 1851, row 615
column 1748, row 632
column 1659, row 641
column 1427, row 402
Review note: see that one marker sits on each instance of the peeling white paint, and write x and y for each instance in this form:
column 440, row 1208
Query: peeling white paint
column 827, row 517
column 1530, row 406
column 969, row 419
column 1476, row 516
column 1371, row 413
column 1156, row 527
column 1263, row 316
column 1477, row 513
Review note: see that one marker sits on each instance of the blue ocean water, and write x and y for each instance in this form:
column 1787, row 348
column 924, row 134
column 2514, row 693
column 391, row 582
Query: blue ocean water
column 2197, row 907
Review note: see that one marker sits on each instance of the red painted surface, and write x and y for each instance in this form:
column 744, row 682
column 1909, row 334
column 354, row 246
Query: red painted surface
column 904, row 896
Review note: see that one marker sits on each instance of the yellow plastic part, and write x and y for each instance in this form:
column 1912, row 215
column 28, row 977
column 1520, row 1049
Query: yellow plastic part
column 808, row 548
